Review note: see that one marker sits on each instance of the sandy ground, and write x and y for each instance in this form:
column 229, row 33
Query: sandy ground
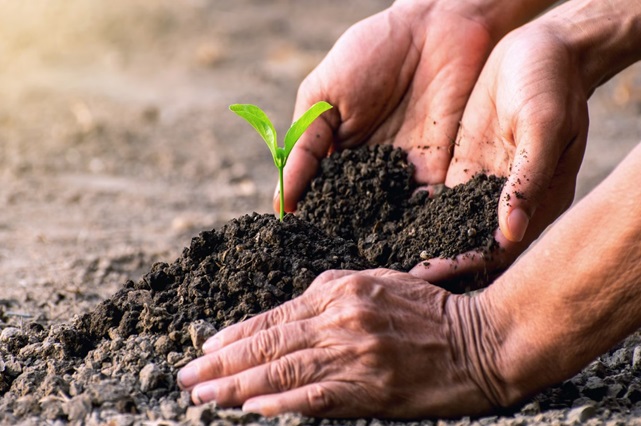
column 116, row 146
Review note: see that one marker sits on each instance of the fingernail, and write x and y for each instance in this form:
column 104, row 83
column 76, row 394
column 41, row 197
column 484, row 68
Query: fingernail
column 252, row 407
column 204, row 393
column 212, row 344
column 517, row 223
column 188, row 376
column 196, row 397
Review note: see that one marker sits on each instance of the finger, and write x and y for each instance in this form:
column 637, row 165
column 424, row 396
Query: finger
column 542, row 135
column 326, row 399
column 297, row 309
column 314, row 145
column 285, row 373
column 260, row 348
column 549, row 193
column 293, row 310
column 472, row 270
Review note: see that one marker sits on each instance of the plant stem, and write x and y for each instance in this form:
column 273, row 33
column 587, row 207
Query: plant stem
column 282, row 193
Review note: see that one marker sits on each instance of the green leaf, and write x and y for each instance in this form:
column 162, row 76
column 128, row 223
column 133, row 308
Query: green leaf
column 259, row 121
column 299, row 126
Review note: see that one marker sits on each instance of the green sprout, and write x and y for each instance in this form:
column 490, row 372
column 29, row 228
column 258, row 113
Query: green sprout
column 263, row 125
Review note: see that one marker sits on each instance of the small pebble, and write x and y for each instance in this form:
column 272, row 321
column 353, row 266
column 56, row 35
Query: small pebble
column 237, row 416
column 77, row 408
column 10, row 333
column 199, row 414
column 424, row 255
column 581, row 414
column 169, row 409
column 636, row 358
column 150, row 377
column 531, row 408
column 200, row 331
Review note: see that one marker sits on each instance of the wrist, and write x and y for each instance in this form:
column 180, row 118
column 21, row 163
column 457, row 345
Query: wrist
column 603, row 36
column 477, row 343
column 499, row 17
column 575, row 294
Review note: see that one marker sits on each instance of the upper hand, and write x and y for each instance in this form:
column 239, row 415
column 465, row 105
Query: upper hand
column 371, row 343
column 402, row 76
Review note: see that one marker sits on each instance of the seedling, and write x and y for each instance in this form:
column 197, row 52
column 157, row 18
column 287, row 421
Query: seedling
column 263, row 125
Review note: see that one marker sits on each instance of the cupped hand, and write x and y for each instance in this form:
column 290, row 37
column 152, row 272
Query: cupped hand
column 371, row 343
column 527, row 120
column 402, row 76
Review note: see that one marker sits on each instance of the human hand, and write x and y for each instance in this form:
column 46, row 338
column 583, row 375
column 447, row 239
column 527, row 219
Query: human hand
column 371, row 343
column 402, row 76
column 526, row 119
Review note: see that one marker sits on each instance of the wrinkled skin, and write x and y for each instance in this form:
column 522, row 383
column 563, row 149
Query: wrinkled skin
column 371, row 343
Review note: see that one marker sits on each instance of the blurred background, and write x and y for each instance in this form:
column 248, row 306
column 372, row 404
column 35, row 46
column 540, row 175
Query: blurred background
column 116, row 145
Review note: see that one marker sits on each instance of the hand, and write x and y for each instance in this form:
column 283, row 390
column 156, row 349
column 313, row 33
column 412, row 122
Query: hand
column 526, row 119
column 372, row 343
column 402, row 76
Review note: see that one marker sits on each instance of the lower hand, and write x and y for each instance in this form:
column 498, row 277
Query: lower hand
column 371, row 343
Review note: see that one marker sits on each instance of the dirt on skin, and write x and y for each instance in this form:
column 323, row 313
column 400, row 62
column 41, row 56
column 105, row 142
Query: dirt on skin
column 121, row 359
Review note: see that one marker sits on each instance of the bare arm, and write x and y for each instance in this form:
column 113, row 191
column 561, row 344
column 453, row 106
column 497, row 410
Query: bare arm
column 605, row 34
column 499, row 16
column 578, row 291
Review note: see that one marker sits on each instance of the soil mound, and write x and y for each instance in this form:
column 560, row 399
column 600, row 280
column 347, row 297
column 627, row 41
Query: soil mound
column 118, row 363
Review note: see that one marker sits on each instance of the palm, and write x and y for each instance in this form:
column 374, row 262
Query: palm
column 392, row 82
column 526, row 120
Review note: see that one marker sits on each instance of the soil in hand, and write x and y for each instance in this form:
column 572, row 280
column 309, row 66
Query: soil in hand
column 368, row 195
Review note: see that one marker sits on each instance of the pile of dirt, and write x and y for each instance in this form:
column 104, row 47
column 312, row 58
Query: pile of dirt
column 118, row 363
column 368, row 195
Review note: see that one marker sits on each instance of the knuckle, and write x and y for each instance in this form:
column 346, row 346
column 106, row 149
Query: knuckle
column 277, row 315
column 354, row 285
column 263, row 346
column 229, row 392
column 320, row 399
column 361, row 317
column 212, row 366
column 324, row 278
column 283, row 375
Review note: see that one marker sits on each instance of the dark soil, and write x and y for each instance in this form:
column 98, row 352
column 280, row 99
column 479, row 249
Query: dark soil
column 118, row 363
column 368, row 195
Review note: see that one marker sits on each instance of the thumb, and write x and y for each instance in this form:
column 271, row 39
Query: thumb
column 538, row 160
